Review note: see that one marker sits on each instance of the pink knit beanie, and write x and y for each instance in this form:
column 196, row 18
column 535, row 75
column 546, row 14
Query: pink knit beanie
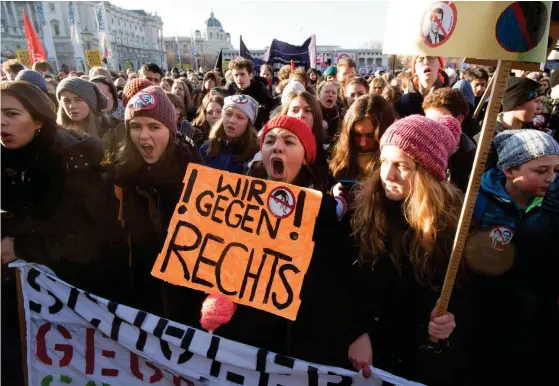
column 429, row 142
column 152, row 102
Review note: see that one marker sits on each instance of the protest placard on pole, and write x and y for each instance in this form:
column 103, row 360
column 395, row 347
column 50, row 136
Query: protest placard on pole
column 93, row 58
column 246, row 238
column 23, row 57
column 506, row 31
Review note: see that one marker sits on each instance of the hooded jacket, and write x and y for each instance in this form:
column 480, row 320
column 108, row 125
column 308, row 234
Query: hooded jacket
column 514, row 253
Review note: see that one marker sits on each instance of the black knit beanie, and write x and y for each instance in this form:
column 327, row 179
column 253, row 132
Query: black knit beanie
column 519, row 91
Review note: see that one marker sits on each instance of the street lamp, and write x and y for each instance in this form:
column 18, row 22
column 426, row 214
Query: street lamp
column 87, row 38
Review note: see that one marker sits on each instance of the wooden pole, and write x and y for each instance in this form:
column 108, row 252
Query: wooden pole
column 484, row 97
column 484, row 145
column 22, row 325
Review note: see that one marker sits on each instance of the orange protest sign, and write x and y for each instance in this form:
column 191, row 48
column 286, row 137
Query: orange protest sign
column 246, row 238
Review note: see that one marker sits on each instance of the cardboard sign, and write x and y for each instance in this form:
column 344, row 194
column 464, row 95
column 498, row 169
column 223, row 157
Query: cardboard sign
column 515, row 31
column 343, row 55
column 93, row 58
column 23, row 57
column 246, row 238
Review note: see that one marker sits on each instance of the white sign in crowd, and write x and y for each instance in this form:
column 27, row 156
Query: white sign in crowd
column 76, row 338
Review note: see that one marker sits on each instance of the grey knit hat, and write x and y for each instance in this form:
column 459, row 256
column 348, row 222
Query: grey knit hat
column 245, row 103
column 84, row 89
column 33, row 77
column 516, row 147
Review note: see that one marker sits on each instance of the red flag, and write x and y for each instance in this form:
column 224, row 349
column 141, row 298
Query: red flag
column 36, row 50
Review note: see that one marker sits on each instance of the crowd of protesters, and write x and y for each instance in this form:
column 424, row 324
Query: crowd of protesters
column 93, row 167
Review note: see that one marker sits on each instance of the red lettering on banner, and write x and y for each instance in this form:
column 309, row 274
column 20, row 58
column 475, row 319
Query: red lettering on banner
column 135, row 368
column 177, row 381
column 90, row 355
column 66, row 349
column 109, row 372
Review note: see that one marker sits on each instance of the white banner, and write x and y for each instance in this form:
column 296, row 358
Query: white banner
column 75, row 37
column 343, row 55
column 47, row 34
column 77, row 338
column 104, row 42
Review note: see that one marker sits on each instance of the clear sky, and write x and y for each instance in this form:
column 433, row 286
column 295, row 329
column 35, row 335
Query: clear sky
column 348, row 24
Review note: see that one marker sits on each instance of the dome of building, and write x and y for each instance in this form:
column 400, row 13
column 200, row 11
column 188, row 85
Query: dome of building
column 212, row 22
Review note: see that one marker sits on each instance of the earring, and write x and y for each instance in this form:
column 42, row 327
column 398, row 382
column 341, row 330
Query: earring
column 38, row 131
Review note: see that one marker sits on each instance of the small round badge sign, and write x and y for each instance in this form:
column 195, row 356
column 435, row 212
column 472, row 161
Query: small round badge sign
column 281, row 202
column 438, row 23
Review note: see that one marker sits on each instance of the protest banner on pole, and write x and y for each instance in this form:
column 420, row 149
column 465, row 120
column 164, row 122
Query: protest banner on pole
column 228, row 228
column 77, row 338
column 343, row 55
column 505, row 31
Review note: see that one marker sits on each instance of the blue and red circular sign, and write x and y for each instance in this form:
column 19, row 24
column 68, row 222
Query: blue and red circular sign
column 521, row 26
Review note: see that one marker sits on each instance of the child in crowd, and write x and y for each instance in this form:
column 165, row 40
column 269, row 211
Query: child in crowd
column 514, row 255
column 232, row 141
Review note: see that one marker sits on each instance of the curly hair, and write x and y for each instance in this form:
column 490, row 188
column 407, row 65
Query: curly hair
column 447, row 98
column 432, row 210
column 343, row 163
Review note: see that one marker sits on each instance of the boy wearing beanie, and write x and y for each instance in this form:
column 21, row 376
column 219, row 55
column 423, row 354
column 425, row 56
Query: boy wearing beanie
column 521, row 103
column 514, row 257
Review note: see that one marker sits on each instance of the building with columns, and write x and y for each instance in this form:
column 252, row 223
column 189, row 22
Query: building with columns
column 206, row 43
column 136, row 36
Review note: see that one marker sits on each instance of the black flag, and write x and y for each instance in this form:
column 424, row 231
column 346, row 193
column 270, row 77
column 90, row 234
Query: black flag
column 219, row 62
column 245, row 53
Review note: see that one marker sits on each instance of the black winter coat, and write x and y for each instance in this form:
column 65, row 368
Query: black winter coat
column 53, row 198
column 54, row 194
column 262, row 95
column 149, row 197
column 321, row 332
column 394, row 309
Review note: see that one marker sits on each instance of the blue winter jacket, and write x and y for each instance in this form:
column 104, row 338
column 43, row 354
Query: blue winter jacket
column 224, row 160
column 523, row 297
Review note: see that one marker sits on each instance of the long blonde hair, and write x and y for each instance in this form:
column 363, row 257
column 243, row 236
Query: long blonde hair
column 246, row 145
column 432, row 210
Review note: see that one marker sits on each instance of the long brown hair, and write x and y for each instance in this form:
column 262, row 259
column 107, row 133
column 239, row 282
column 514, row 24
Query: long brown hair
column 201, row 117
column 343, row 163
column 217, row 79
column 312, row 101
column 93, row 124
column 432, row 210
column 320, row 166
column 187, row 100
column 247, row 144
column 35, row 101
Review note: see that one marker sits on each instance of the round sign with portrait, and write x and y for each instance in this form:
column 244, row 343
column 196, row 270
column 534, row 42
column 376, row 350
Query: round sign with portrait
column 438, row 23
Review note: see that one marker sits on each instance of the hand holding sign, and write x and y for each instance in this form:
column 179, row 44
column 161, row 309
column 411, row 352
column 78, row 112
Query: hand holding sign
column 245, row 238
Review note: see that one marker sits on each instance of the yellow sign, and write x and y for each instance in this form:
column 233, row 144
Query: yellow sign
column 246, row 238
column 186, row 66
column 225, row 66
column 93, row 58
column 515, row 31
column 23, row 57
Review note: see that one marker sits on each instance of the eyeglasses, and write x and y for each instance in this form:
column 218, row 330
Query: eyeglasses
column 422, row 59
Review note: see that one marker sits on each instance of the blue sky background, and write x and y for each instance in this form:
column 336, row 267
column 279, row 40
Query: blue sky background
column 348, row 24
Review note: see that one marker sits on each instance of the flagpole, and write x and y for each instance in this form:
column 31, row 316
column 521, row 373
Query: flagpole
column 47, row 34
column 75, row 37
